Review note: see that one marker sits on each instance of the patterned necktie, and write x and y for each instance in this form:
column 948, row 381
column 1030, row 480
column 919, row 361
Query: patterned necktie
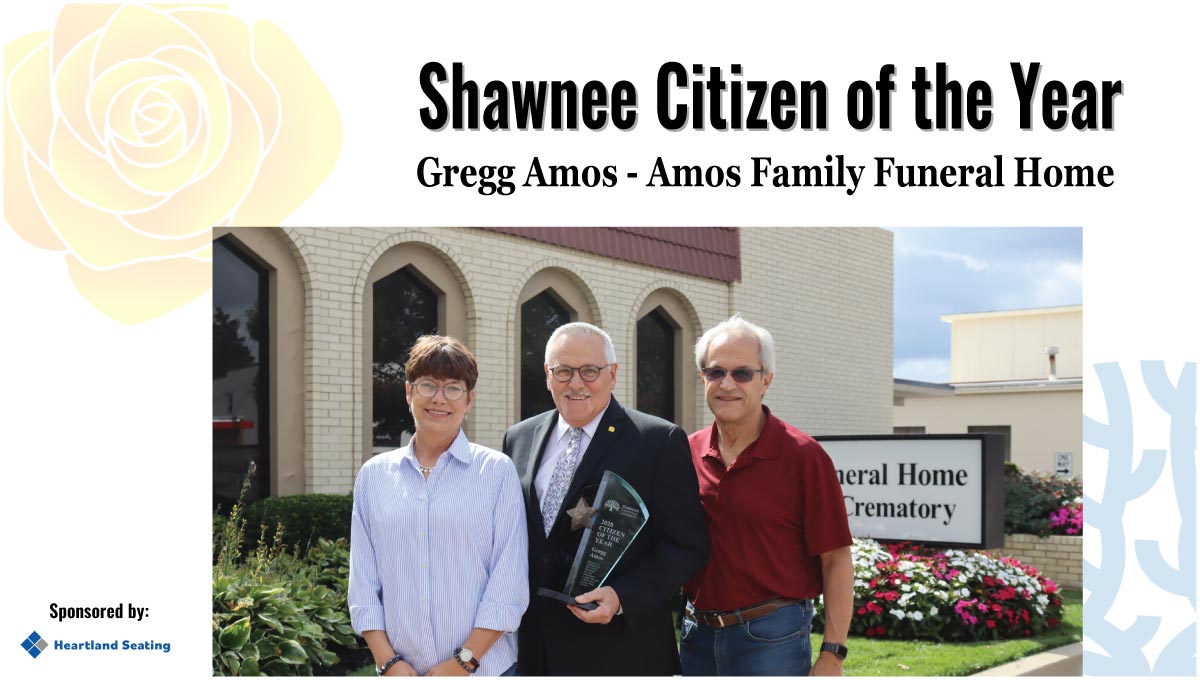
column 564, row 469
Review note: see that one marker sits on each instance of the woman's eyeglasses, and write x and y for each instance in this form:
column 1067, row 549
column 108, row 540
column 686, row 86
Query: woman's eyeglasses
column 428, row 390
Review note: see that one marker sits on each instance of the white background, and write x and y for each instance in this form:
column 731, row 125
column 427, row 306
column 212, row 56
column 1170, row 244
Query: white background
column 107, row 442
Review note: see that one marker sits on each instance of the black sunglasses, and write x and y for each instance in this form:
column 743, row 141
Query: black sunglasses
column 742, row 375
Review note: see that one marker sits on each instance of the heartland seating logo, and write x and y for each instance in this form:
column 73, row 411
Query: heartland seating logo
column 34, row 644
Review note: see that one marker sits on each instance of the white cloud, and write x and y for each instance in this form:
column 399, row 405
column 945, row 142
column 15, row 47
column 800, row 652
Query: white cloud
column 973, row 263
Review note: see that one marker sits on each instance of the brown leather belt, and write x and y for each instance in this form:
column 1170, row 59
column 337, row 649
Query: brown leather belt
column 732, row 618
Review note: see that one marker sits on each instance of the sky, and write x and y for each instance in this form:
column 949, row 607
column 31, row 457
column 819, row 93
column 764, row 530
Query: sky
column 953, row 270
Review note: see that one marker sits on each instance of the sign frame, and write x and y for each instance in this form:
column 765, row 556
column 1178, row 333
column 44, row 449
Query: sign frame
column 992, row 492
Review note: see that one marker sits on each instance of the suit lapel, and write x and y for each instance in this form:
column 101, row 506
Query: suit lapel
column 539, row 438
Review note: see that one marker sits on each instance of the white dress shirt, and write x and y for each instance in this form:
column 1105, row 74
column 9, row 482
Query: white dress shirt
column 557, row 445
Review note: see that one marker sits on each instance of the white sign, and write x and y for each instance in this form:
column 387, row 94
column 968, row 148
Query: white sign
column 924, row 490
column 1063, row 463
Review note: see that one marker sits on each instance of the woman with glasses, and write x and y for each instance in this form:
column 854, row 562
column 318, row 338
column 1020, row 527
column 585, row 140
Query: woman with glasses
column 438, row 561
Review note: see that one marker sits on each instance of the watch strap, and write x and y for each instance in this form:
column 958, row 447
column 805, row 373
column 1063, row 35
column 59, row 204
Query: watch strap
column 836, row 649
column 471, row 665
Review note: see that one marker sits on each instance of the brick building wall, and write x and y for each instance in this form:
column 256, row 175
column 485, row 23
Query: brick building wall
column 1059, row 558
column 825, row 294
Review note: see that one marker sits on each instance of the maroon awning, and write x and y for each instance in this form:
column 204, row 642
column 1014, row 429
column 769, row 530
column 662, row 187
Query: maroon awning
column 708, row 252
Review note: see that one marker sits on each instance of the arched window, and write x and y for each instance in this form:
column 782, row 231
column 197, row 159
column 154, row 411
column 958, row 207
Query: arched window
column 657, row 362
column 540, row 315
column 405, row 309
column 241, row 375
column 549, row 299
column 667, row 385
column 258, row 364
column 410, row 291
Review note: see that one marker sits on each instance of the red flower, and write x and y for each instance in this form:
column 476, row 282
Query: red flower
column 871, row 632
column 879, row 630
column 862, row 611
column 991, row 623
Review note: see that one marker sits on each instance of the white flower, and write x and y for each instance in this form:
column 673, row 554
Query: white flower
column 917, row 615
column 905, row 587
column 964, row 592
column 933, row 611
column 898, row 613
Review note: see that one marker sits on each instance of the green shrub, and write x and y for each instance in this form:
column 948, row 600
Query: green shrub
column 1031, row 498
column 306, row 518
column 273, row 612
column 277, row 621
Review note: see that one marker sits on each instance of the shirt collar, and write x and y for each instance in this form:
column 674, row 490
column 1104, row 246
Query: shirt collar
column 561, row 428
column 460, row 449
column 754, row 449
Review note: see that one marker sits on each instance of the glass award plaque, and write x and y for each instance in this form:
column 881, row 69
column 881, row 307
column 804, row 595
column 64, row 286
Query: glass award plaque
column 609, row 527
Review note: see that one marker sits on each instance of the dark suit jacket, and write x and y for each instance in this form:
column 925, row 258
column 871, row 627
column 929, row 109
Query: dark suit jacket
column 653, row 456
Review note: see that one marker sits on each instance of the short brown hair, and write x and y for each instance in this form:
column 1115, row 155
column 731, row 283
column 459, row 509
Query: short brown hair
column 442, row 357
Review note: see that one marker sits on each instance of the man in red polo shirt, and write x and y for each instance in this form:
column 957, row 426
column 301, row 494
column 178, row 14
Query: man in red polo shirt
column 777, row 526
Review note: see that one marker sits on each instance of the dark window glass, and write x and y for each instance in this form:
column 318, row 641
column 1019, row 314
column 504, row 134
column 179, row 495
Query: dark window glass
column 539, row 317
column 240, row 376
column 656, row 365
column 908, row 429
column 1005, row 430
column 405, row 309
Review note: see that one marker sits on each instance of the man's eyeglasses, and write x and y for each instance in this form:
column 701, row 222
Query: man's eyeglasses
column 563, row 373
column 453, row 392
column 742, row 375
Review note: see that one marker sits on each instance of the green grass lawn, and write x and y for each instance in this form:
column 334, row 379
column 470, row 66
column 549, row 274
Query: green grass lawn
column 869, row 656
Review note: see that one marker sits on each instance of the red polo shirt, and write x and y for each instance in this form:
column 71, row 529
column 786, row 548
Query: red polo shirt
column 770, row 516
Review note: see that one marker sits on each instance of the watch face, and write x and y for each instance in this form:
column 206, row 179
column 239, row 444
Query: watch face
column 466, row 656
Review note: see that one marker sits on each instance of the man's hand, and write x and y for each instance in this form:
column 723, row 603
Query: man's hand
column 447, row 667
column 827, row 664
column 609, row 603
column 401, row 669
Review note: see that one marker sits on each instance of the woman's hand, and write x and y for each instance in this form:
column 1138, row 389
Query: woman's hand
column 448, row 667
column 401, row 669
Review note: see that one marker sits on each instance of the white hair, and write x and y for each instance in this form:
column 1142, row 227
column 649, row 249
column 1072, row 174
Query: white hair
column 577, row 329
column 736, row 325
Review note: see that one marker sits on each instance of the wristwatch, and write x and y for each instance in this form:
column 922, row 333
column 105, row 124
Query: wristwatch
column 466, row 659
column 834, row 648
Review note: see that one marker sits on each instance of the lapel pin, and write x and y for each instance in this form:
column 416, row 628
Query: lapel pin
column 611, row 428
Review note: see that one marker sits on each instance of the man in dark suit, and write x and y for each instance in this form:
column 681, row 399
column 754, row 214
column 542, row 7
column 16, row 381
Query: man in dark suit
column 561, row 456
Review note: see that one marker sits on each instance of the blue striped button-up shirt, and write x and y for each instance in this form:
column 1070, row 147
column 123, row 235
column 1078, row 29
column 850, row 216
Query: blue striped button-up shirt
column 430, row 559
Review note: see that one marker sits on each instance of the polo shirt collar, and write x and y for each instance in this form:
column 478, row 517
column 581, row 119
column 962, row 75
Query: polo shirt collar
column 770, row 431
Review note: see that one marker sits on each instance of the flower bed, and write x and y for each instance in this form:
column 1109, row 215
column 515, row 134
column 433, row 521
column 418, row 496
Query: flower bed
column 907, row 592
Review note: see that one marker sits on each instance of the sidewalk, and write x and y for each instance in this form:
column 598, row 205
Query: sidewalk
column 1067, row 660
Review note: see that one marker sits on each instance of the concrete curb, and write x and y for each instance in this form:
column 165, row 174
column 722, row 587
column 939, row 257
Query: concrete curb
column 1066, row 660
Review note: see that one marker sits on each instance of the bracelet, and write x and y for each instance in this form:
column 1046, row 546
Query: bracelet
column 380, row 670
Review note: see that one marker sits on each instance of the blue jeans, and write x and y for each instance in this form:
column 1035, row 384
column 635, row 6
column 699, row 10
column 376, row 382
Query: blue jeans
column 775, row 644
column 512, row 670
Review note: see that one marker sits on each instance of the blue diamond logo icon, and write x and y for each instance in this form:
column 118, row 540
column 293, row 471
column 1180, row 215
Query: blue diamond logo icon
column 34, row 644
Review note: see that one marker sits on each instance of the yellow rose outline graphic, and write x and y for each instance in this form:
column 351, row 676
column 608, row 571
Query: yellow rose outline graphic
column 130, row 131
